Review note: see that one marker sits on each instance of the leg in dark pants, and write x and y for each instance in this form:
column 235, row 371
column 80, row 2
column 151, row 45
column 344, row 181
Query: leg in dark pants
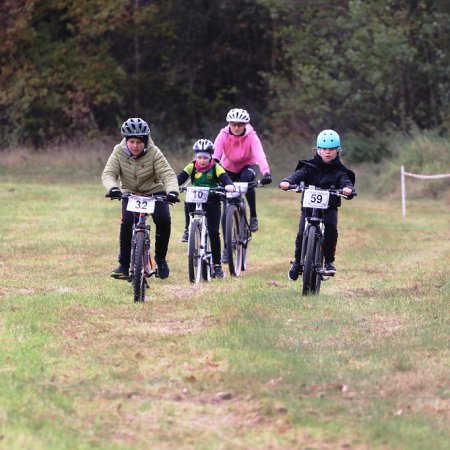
column 213, row 218
column 331, row 234
column 248, row 175
column 186, row 216
column 299, row 238
column 126, row 231
column 162, row 221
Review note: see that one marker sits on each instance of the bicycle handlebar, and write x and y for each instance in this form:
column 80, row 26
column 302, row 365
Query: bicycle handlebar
column 302, row 187
column 215, row 190
column 158, row 198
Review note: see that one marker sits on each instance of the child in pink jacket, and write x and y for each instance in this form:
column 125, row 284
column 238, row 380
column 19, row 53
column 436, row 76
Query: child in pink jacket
column 238, row 149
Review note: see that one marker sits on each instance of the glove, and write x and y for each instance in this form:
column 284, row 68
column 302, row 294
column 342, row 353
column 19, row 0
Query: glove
column 172, row 197
column 266, row 179
column 230, row 188
column 115, row 192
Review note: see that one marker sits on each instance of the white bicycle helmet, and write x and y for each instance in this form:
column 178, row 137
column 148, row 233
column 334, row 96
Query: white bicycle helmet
column 135, row 127
column 203, row 145
column 238, row 115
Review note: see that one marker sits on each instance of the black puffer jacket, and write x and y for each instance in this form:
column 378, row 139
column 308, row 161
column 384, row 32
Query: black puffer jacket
column 324, row 175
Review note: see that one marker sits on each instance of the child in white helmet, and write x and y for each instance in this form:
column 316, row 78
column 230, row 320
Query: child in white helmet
column 206, row 172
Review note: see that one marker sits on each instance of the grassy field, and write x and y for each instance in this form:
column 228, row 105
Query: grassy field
column 241, row 363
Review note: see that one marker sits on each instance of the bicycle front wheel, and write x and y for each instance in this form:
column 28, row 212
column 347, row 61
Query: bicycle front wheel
column 318, row 265
column 139, row 282
column 233, row 240
column 207, row 265
column 246, row 236
column 308, row 269
column 194, row 252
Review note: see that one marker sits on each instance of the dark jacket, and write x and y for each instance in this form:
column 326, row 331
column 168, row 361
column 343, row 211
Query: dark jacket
column 317, row 173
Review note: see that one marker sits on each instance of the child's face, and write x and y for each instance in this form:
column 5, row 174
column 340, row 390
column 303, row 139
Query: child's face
column 136, row 146
column 203, row 161
column 236, row 128
column 327, row 154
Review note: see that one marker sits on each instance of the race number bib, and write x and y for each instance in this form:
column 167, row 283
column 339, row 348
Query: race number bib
column 241, row 188
column 314, row 198
column 196, row 194
column 141, row 204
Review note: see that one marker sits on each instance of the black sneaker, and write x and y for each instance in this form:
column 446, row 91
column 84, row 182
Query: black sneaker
column 163, row 268
column 218, row 272
column 120, row 272
column 294, row 271
column 253, row 224
column 329, row 269
column 185, row 236
column 225, row 256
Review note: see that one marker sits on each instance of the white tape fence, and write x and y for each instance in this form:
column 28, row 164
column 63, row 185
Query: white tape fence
column 415, row 175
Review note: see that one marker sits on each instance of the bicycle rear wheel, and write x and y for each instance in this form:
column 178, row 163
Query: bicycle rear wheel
column 308, row 269
column 194, row 252
column 233, row 240
column 139, row 282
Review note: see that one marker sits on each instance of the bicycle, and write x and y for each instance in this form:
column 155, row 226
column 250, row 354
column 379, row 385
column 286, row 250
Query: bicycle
column 312, row 259
column 237, row 229
column 200, row 261
column 141, row 261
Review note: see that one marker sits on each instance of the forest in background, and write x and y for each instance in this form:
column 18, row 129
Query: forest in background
column 366, row 68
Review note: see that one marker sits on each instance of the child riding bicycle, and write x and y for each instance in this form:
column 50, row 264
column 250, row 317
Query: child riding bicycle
column 138, row 165
column 325, row 170
column 204, row 171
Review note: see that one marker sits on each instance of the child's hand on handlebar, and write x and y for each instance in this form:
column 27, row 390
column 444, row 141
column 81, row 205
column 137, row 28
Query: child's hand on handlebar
column 347, row 191
column 284, row 185
column 230, row 188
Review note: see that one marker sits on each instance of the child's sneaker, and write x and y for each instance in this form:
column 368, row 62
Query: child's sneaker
column 218, row 272
column 120, row 273
column 163, row 268
column 329, row 269
column 294, row 271
column 185, row 236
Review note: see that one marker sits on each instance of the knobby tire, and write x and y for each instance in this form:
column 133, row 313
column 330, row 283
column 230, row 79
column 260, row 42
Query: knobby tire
column 194, row 259
column 308, row 269
column 318, row 266
column 207, row 265
column 245, row 238
column 139, row 282
column 233, row 240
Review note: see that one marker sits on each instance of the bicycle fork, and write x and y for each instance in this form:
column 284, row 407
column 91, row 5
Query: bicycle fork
column 148, row 262
column 317, row 265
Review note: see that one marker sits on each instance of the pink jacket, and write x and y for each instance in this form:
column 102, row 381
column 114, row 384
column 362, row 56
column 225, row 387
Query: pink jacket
column 237, row 152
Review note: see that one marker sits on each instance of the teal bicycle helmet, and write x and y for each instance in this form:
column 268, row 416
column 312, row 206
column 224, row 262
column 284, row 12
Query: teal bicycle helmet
column 328, row 139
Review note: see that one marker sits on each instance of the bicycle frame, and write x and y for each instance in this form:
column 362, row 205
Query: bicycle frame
column 204, row 249
column 199, row 249
column 142, row 227
column 237, row 229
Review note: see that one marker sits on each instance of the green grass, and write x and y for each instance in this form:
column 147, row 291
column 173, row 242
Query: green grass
column 235, row 364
